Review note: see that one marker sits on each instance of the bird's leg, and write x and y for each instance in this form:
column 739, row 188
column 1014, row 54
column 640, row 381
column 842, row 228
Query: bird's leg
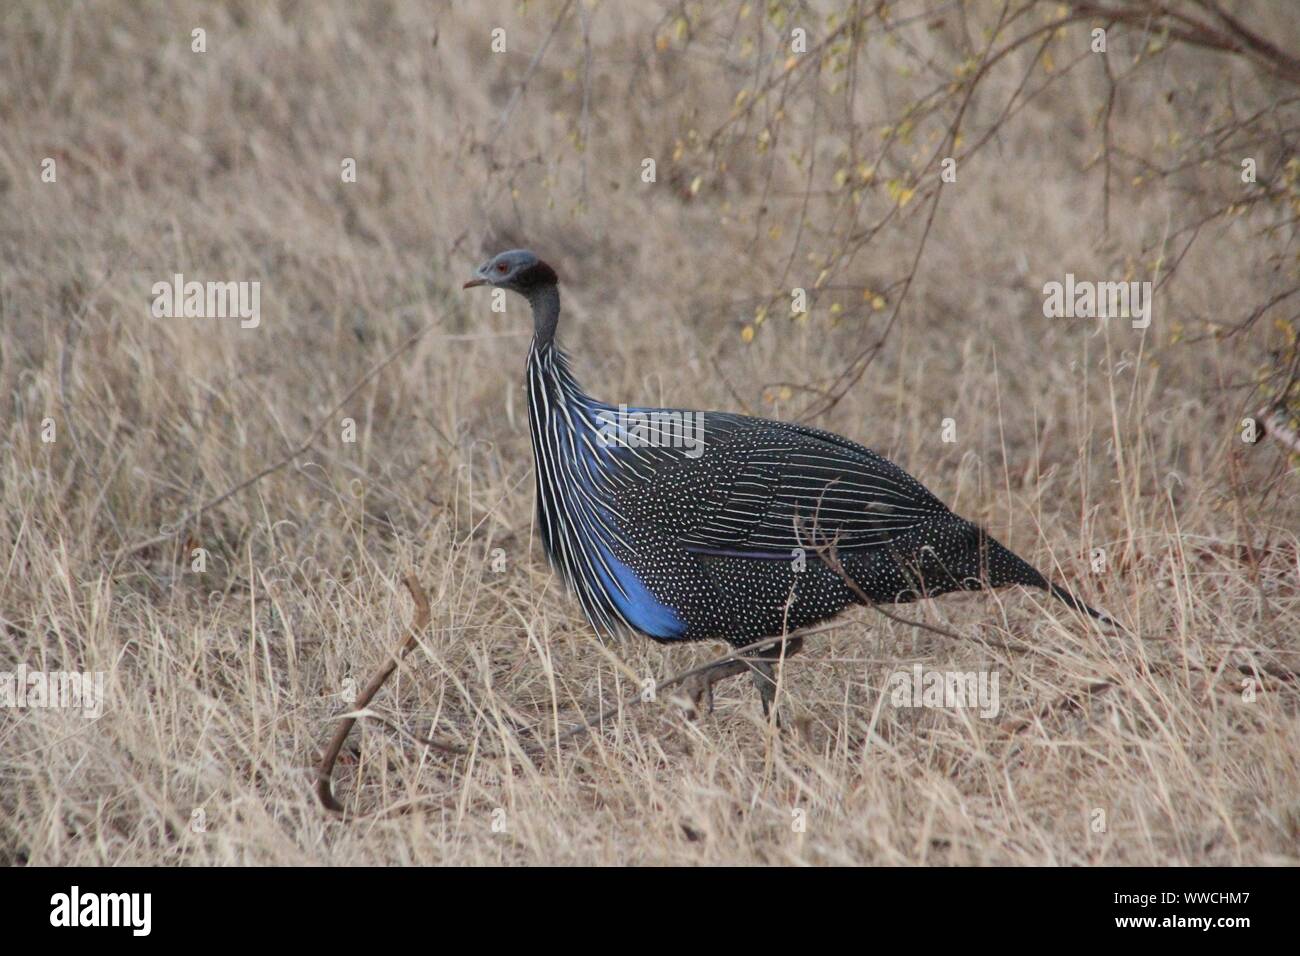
column 764, row 676
column 763, row 671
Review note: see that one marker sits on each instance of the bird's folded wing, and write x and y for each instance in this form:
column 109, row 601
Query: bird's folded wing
column 763, row 489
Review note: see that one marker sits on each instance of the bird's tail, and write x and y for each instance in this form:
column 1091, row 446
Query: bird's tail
column 1061, row 594
column 1007, row 567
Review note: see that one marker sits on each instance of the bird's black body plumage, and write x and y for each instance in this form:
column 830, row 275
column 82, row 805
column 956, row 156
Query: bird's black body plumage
column 688, row 525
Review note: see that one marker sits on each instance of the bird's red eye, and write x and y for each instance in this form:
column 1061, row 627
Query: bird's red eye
column 501, row 267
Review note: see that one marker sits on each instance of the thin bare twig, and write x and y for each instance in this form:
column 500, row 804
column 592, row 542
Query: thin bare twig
column 169, row 532
column 533, row 64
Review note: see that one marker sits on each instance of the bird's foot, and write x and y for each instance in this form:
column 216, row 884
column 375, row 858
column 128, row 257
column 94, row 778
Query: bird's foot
column 697, row 690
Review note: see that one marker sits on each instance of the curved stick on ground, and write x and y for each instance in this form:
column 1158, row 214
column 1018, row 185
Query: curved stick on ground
column 326, row 768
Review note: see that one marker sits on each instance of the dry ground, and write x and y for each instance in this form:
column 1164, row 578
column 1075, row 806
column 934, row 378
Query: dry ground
column 221, row 685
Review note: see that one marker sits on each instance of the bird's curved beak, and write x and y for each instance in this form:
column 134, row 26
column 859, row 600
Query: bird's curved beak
column 473, row 282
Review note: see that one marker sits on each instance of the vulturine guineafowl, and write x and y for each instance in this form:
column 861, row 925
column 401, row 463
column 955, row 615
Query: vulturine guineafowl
column 689, row 525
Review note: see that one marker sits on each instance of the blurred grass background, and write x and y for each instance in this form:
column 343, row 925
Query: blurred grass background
column 774, row 170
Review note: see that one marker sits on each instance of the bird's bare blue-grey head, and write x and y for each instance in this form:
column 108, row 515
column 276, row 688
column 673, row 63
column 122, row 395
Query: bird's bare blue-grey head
column 520, row 270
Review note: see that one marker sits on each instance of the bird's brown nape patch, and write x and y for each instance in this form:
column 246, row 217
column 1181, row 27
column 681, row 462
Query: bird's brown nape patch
column 538, row 274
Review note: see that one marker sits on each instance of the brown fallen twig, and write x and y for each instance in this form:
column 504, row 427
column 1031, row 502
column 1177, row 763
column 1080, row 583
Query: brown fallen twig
column 326, row 769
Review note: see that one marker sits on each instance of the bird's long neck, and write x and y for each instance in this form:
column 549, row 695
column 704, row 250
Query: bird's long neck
column 551, row 384
column 545, row 300
column 572, row 488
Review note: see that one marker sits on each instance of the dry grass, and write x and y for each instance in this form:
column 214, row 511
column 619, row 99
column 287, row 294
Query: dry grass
column 222, row 686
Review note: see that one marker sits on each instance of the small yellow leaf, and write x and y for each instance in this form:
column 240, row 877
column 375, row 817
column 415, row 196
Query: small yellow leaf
column 899, row 193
